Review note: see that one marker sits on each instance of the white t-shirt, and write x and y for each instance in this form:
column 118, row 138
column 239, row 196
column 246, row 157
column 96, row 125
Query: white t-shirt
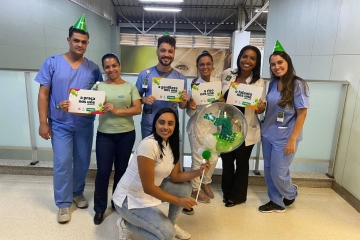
column 130, row 184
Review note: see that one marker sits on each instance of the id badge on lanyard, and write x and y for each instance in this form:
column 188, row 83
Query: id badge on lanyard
column 280, row 116
column 145, row 82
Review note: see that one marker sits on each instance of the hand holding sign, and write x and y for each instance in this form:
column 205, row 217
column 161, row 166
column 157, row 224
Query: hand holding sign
column 86, row 101
column 244, row 95
column 166, row 89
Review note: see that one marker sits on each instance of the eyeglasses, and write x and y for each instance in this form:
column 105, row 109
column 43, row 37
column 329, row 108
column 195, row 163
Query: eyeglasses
column 205, row 65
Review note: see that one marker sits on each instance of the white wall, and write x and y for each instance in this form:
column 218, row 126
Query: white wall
column 32, row 30
column 322, row 38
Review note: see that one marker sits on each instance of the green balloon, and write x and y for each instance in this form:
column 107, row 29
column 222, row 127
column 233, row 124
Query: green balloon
column 217, row 134
column 239, row 139
column 222, row 145
column 206, row 154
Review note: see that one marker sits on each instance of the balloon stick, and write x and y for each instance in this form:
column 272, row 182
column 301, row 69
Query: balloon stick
column 202, row 176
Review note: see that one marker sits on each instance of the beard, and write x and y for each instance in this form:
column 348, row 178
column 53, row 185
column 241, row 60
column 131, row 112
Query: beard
column 165, row 64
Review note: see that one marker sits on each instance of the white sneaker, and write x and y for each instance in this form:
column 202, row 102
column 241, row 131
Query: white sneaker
column 181, row 234
column 124, row 233
column 64, row 215
column 80, row 201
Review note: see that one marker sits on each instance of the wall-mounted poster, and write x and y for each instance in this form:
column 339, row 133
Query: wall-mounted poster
column 134, row 59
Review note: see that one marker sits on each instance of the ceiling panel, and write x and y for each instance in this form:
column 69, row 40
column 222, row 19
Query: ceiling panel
column 204, row 14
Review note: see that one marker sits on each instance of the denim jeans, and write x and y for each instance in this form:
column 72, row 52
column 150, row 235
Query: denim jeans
column 110, row 149
column 150, row 222
column 72, row 150
column 277, row 173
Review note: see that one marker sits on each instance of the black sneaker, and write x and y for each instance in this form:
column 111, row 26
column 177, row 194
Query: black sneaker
column 288, row 202
column 188, row 212
column 271, row 207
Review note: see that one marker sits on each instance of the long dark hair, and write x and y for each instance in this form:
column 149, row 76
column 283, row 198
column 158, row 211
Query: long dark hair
column 256, row 69
column 288, row 81
column 173, row 139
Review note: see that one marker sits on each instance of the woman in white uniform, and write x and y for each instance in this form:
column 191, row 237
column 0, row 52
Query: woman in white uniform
column 234, row 182
column 205, row 66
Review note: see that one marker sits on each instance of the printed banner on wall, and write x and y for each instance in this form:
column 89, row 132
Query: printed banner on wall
column 134, row 59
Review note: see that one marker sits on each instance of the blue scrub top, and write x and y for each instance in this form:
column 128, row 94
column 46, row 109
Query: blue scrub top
column 149, row 111
column 57, row 74
column 270, row 127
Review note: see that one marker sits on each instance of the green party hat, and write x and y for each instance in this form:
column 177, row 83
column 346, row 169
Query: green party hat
column 278, row 47
column 166, row 34
column 81, row 23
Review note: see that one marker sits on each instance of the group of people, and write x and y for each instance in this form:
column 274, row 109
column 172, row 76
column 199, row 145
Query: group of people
column 153, row 174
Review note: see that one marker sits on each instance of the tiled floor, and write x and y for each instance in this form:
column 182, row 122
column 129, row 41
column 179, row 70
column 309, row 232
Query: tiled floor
column 28, row 212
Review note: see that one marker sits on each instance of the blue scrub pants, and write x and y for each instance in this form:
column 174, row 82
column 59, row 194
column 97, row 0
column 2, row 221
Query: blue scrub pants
column 277, row 173
column 145, row 130
column 72, row 150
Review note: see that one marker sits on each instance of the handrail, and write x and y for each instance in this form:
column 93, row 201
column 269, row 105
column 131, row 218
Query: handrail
column 333, row 150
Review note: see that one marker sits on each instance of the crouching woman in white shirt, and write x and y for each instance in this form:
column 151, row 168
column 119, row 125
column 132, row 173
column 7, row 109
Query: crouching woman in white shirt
column 146, row 184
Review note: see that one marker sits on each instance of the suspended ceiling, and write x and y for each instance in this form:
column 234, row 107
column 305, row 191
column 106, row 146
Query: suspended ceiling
column 202, row 17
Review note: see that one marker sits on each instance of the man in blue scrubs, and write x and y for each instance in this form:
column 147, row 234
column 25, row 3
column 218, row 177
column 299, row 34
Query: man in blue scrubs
column 166, row 53
column 71, row 135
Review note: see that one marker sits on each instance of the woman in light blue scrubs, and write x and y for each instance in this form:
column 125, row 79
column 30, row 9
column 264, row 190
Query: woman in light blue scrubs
column 287, row 104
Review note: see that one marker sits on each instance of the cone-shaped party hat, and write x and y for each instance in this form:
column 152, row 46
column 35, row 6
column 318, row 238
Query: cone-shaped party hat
column 278, row 47
column 166, row 34
column 81, row 24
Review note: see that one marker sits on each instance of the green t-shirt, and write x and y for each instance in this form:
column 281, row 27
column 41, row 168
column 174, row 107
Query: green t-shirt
column 121, row 95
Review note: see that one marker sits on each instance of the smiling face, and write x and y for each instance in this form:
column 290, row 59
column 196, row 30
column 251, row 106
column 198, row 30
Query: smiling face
column 165, row 125
column 112, row 68
column 205, row 66
column 248, row 60
column 278, row 66
column 78, row 43
column 166, row 54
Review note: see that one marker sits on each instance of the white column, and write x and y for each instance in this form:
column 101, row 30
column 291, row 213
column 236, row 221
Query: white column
column 239, row 40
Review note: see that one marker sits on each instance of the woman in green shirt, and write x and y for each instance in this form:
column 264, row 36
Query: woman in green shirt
column 116, row 131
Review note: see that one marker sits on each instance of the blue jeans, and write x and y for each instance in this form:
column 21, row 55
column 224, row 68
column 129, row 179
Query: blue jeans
column 150, row 222
column 277, row 173
column 110, row 149
column 72, row 150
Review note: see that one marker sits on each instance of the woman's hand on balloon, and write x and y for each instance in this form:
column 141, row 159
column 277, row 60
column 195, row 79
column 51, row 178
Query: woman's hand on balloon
column 187, row 203
column 205, row 166
column 192, row 104
column 222, row 99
